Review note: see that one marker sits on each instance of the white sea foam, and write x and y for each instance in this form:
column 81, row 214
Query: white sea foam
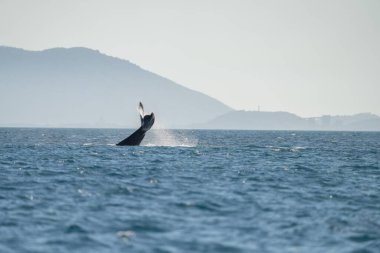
column 292, row 149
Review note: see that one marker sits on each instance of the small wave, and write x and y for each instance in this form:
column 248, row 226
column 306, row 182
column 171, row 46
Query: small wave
column 126, row 235
column 291, row 149
column 254, row 146
column 274, row 148
column 75, row 229
column 297, row 149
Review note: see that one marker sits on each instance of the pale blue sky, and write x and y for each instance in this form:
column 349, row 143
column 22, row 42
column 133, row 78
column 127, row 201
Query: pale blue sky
column 306, row 57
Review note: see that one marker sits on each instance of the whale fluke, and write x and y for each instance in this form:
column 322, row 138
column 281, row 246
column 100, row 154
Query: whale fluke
column 147, row 122
column 140, row 109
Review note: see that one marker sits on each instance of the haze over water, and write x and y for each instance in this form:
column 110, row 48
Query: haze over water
column 73, row 190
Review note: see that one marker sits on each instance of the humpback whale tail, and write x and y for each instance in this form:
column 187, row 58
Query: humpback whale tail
column 147, row 122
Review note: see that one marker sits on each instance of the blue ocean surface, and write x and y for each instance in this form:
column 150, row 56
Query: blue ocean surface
column 73, row 190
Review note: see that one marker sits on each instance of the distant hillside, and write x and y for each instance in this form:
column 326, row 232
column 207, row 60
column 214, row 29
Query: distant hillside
column 80, row 87
column 254, row 120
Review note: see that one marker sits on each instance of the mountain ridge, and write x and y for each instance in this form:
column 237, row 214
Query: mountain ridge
column 95, row 88
column 82, row 87
column 258, row 120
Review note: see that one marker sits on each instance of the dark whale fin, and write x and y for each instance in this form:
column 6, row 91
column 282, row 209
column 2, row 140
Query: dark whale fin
column 136, row 137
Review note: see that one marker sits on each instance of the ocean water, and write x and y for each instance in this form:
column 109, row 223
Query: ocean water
column 73, row 190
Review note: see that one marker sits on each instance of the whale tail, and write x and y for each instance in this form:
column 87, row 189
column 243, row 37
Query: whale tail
column 136, row 137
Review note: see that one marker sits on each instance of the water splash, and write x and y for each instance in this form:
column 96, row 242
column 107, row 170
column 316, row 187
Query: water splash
column 168, row 138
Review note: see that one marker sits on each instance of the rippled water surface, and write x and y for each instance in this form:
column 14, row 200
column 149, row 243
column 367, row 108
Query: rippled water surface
column 72, row 190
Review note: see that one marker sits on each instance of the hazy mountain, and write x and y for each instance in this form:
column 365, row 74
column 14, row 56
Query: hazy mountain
column 254, row 120
column 81, row 87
